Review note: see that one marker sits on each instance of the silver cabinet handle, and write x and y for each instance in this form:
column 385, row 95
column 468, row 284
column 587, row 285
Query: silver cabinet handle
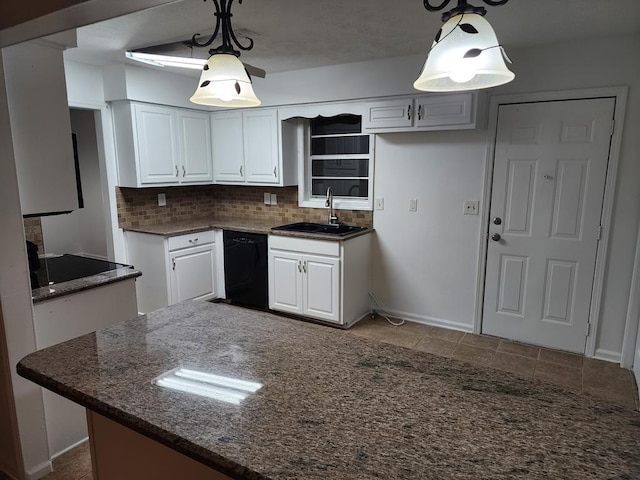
column 419, row 112
column 299, row 266
column 195, row 240
column 409, row 112
column 177, row 171
column 275, row 169
column 304, row 266
column 173, row 261
column 184, row 171
column 241, row 170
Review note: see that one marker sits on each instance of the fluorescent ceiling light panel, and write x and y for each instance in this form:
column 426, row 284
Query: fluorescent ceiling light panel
column 167, row 61
column 217, row 387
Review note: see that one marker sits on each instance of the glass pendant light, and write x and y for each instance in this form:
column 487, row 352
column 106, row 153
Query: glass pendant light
column 224, row 81
column 465, row 54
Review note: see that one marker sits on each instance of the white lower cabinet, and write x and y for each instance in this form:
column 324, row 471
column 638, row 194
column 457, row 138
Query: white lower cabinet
column 174, row 269
column 326, row 280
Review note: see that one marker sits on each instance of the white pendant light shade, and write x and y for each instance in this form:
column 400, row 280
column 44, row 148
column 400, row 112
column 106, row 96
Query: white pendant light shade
column 225, row 83
column 466, row 55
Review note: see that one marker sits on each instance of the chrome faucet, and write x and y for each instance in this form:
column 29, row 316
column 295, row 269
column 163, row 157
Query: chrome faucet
column 333, row 219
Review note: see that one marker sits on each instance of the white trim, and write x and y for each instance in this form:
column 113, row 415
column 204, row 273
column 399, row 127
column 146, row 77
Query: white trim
column 426, row 320
column 40, row 470
column 607, row 355
column 69, row 448
column 620, row 95
column 633, row 317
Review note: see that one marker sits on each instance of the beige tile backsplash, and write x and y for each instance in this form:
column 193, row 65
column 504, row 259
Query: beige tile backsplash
column 139, row 206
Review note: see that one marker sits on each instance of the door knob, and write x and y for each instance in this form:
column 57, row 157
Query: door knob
column 497, row 221
column 496, row 237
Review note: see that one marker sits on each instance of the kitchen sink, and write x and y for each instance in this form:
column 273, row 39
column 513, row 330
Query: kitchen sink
column 322, row 228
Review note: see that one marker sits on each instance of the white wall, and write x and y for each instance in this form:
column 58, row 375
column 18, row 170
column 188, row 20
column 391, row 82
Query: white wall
column 81, row 231
column 425, row 262
column 15, row 296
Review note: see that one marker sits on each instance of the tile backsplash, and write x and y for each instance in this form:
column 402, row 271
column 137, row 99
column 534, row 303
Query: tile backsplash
column 139, row 206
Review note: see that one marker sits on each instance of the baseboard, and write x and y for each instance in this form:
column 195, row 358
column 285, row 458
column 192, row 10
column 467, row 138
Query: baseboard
column 607, row 355
column 40, row 471
column 62, row 452
column 426, row 320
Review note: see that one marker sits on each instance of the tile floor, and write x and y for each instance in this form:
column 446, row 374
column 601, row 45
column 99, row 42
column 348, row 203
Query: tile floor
column 596, row 377
column 602, row 379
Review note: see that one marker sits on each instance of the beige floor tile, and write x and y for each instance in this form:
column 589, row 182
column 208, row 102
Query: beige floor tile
column 558, row 374
column 521, row 349
column 444, row 333
column 483, row 341
column 560, row 358
column 436, row 346
column 599, row 375
column 508, row 362
column 623, row 399
column 416, row 328
column 72, row 465
column 475, row 355
column 398, row 337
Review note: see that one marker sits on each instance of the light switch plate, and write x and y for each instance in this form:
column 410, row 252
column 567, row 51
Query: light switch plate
column 162, row 200
column 413, row 204
column 267, row 198
column 471, row 207
column 274, row 199
column 379, row 203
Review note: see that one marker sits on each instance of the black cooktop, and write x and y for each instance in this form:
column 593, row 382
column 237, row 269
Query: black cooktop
column 67, row 267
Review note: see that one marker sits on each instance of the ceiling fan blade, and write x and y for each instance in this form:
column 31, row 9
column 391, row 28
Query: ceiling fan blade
column 255, row 71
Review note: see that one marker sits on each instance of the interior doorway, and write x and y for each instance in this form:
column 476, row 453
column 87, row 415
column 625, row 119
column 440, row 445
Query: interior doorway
column 550, row 171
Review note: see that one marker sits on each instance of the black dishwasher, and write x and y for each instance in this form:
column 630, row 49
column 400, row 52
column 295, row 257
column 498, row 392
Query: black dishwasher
column 245, row 269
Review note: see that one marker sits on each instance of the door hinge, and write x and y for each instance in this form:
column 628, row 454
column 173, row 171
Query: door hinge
column 599, row 232
column 588, row 329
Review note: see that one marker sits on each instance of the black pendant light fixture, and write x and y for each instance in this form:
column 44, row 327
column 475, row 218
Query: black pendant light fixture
column 225, row 81
column 465, row 54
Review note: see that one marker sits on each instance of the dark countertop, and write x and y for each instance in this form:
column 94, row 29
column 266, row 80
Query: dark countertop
column 183, row 227
column 74, row 286
column 333, row 405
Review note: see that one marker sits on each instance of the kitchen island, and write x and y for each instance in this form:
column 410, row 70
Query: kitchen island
column 329, row 404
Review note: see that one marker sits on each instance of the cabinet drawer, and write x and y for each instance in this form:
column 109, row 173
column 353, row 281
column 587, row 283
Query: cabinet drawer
column 318, row 247
column 190, row 240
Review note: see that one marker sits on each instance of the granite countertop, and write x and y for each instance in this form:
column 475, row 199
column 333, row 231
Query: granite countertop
column 183, row 227
column 85, row 283
column 333, row 405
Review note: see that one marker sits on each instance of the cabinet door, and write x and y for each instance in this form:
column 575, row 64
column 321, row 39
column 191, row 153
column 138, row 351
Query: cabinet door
column 228, row 151
column 194, row 134
column 156, row 144
column 444, row 110
column 285, row 282
column 389, row 114
column 192, row 273
column 261, row 146
column 320, row 284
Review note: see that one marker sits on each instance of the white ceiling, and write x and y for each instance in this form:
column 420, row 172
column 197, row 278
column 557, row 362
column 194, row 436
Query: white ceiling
column 297, row 34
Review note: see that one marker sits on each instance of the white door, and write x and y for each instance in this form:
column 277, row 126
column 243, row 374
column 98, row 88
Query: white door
column 321, row 277
column 261, row 146
column 285, row 282
column 195, row 147
column 192, row 273
column 548, row 185
column 227, row 146
column 157, row 144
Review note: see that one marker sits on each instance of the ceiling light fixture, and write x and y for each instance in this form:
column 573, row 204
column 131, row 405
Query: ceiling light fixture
column 465, row 54
column 225, row 81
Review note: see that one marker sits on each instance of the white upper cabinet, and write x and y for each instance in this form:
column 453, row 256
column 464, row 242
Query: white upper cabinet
column 253, row 147
column 452, row 111
column 158, row 145
column 40, row 127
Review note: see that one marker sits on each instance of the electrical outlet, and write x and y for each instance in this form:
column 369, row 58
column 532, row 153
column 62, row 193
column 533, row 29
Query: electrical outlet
column 413, row 204
column 267, row 198
column 470, row 207
column 380, row 203
column 162, row 200
column 274, row 199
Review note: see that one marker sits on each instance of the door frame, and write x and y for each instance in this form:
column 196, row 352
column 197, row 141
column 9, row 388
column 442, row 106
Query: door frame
column 620, row 95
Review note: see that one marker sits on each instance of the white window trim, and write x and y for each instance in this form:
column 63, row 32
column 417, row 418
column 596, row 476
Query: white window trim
column 304, row 181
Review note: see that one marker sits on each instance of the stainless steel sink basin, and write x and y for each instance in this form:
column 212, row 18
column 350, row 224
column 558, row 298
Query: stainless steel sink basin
column 322, row 228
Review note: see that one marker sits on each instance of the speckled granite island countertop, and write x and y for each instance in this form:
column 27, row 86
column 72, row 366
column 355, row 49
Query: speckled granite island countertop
column 332, row 405
column 183, row 227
